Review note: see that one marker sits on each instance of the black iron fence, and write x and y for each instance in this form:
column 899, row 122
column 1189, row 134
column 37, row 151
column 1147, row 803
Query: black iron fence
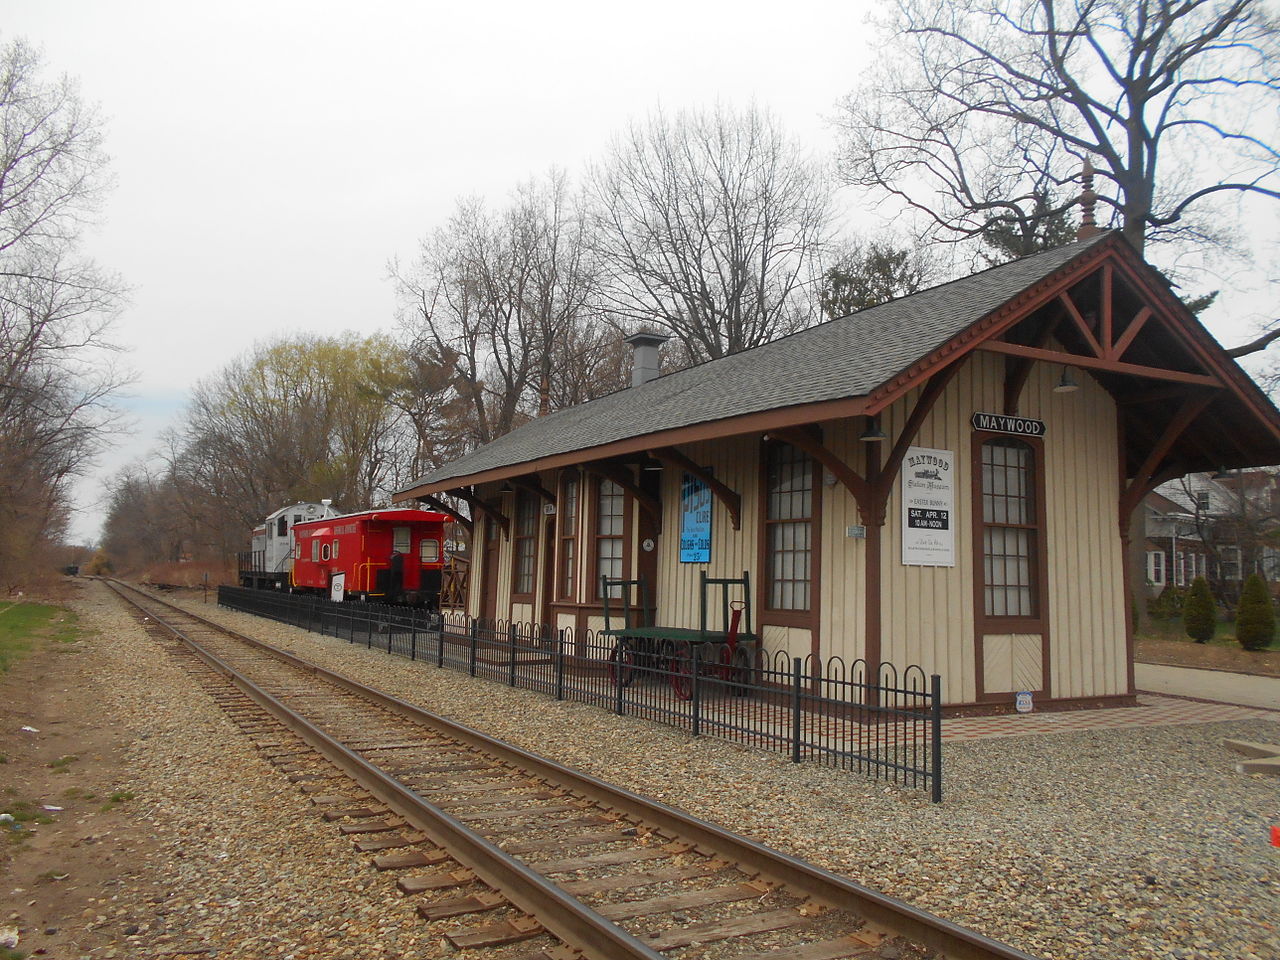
column 888, row 727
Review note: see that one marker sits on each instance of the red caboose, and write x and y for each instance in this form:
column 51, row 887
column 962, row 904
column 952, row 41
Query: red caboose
column 395, row 556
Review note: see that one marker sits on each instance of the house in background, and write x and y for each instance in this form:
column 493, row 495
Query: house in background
column 1222, row 526
column 1174, row 521
column 944, row 480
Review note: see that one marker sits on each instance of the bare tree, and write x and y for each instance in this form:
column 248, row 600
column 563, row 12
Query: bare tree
column 502, row 294
column 989, row 107
column 56, row 376
column 710, row 225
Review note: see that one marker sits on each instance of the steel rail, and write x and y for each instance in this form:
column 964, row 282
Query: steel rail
column 559, row 913
column 800, row 878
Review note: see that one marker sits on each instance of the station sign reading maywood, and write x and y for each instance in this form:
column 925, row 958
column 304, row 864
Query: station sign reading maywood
column 1000, row 423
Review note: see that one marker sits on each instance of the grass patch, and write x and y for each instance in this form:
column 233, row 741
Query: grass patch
column 23, row 811
column 118, row 796
column 1224, row 634
column 63, row 763
column 7, row 954
column 22, row 624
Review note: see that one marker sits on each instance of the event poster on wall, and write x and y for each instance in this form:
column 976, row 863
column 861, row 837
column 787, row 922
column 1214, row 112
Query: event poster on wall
column 928, row 508
column 695, row 520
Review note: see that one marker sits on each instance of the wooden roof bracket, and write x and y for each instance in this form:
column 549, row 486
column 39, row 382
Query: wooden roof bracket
column 1098, row 363
column 531, row 483
column 1074, row 312
column 1141, row 484
column 479, row 506
column 1130, row 333
column 893, row 463
column 623, row 478
column 810, row 441
column 445, row 508
column 732, row 500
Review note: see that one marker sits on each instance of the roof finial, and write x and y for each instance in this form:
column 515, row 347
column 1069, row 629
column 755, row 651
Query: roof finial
column 1088, row 200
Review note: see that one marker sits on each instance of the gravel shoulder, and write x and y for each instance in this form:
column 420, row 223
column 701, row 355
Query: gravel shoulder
column 1135, row 842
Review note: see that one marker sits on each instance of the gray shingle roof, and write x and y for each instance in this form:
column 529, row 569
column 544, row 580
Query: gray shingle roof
column 847, row 357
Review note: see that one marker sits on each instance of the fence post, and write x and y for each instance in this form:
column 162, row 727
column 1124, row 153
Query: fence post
column 368, row 625
column 796, row 671
column 697, row 690
column 617, row 682
column 511, row 656
column 560, row 664
column 413, row 634
column 388, row 620
column 475, row 636
column 351, row 625
column 440, row 640
column 935, row 733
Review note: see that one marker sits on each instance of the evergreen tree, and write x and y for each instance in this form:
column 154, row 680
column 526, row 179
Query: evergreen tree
column 1255, row 618
column 1197, row 611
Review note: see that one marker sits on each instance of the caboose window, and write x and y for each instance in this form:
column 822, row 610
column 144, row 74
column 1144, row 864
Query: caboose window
column 429, row 550
column 282, row 526
column 315, row 551
column 400, row 539
column 335, row 549
column 324, row 551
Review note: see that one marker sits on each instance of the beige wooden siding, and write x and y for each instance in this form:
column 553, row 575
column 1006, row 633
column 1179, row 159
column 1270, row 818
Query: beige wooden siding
column 842, row 619
column 736, row 463
column 1086, row 564
column 928, row 611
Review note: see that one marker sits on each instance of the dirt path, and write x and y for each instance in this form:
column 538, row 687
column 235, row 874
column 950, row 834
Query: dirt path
column 61, row 876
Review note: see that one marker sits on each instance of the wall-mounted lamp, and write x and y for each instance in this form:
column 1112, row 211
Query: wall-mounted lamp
column 872, row 432
column 1067, row 382
column 506, row 487
column 651, row 463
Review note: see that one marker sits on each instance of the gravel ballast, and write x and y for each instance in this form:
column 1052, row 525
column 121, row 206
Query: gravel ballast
column 1138, row 842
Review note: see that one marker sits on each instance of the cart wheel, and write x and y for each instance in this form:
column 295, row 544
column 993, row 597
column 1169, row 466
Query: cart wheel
column 622, row 664
column 682, row 670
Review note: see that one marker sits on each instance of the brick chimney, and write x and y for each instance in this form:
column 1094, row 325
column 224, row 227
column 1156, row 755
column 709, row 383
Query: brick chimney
column 645, row 362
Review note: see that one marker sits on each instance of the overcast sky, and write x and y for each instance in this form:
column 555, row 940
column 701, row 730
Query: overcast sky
column 270, row 157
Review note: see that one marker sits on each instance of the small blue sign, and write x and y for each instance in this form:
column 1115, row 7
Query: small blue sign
column 695, row 520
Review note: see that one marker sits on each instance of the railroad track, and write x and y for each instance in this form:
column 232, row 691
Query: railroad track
column 518, row 848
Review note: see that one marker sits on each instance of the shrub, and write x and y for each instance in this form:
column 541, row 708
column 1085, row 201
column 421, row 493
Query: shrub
column 1198, row 615
column 99, row 565
column 1255, row 618
column 1168, row 605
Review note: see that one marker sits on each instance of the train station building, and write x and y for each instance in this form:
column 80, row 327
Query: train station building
column 945, row 480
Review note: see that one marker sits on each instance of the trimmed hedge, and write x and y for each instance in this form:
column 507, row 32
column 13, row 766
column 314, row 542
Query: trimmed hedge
column 1255, row 618
column 1198, row 614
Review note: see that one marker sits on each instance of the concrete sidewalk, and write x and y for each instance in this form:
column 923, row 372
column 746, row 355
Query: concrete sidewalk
column 1216, row 685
